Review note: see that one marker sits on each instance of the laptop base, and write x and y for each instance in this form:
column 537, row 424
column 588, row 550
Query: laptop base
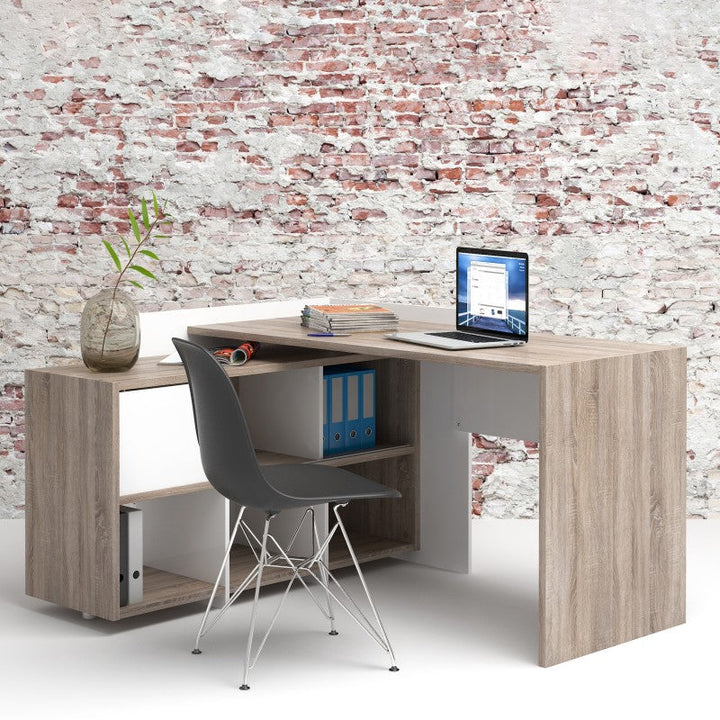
column 432, row 339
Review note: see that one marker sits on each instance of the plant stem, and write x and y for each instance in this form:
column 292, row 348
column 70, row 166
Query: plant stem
column 120, row 277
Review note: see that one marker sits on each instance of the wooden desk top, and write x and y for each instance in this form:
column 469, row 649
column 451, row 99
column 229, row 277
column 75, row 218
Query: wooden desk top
column 292, row 348
column 543, row 350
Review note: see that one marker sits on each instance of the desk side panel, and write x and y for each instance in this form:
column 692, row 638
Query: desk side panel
column 445, row 494
column 612, row 502
column 397, row 408
column 72, row 519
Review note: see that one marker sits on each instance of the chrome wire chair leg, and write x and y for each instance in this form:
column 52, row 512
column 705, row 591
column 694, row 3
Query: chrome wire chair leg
column 253, row 616
column 295, row 564
column 196, row 649
column 378, row 633
column 315, row 566
column 336, row 510
column 300, row 565
column 323, row 575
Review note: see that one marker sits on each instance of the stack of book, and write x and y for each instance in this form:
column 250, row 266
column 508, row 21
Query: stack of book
column 348, row 318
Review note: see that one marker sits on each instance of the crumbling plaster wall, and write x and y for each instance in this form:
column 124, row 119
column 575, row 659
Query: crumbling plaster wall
column 311, row 147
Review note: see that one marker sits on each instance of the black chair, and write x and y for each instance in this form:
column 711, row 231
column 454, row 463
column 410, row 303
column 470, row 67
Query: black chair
column 230, row 464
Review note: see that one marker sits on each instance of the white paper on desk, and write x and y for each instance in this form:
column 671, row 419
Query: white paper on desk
column 172, row 359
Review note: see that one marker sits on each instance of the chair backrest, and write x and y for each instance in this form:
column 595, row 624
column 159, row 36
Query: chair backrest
column 226, row 449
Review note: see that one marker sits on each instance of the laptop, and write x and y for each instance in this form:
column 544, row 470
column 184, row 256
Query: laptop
column 491, row 303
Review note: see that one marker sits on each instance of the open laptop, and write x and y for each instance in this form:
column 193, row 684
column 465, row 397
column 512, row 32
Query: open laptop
column 491, row 303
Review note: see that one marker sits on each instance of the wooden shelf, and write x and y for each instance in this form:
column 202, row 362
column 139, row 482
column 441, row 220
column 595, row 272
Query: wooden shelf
column 379, row 452
column 367, row 547
column 147, row 373
column 163, row 589
column 165, row 492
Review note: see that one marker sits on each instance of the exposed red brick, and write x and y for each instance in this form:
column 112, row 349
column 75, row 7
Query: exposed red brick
column 68, row 201
column 449, row 173
column 480, row 105
column 546, row 201
column 368, row 214
column 187, row 146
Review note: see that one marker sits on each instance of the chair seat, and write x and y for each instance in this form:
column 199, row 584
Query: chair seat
column 304, row 485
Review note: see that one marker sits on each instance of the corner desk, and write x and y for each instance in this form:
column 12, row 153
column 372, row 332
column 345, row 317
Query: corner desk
column 610, row 418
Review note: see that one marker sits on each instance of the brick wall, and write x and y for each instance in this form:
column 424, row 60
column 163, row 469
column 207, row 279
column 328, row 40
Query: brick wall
column 312, row 147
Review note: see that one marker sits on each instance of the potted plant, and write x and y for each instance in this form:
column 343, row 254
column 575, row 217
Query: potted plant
column 110, row 324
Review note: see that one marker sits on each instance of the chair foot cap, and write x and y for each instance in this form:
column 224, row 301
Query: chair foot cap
column 197, row 651
column 333, row 632
column 394, row 668
column 244, row 687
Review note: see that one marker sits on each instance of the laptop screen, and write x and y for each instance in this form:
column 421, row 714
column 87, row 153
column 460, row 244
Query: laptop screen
column 492, row 292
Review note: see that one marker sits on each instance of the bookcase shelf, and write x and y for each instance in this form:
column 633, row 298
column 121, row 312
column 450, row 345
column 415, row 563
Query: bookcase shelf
column 162, row 589
column 382, row 451
column 164, row 492
column 379, row 452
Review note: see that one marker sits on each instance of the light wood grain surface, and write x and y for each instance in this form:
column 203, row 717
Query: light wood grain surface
column 543, row 350
column 147, row 373
column 612, row 501
column 72, row 520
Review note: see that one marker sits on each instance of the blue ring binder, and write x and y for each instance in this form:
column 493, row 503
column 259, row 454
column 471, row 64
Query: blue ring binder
column 349, row 409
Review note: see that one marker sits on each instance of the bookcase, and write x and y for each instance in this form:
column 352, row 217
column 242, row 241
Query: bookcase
column 98, row 441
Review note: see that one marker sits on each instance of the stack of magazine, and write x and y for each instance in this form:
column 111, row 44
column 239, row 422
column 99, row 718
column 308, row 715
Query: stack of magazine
column 348, row 318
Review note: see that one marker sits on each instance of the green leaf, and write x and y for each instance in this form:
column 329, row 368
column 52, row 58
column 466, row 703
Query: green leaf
column 143, row 271
column 136, row 284
column 156, row 205
column 127, row 247
column 135, row 228
column 150, row 253
column 113, row 255
column 145, row 217
column 160, row 237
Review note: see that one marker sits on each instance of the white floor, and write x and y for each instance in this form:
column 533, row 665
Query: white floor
column 464, row 643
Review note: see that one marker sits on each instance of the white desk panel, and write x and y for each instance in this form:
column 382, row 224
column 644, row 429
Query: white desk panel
column 496, row 402
column 158, row 445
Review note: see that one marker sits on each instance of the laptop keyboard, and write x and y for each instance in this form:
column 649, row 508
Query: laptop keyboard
column 467, row 337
